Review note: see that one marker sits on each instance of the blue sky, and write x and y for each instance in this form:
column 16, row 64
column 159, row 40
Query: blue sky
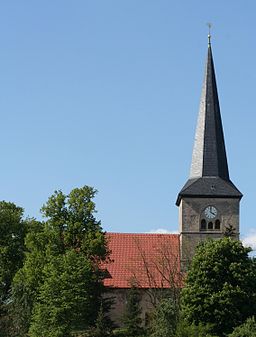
column 106, row 93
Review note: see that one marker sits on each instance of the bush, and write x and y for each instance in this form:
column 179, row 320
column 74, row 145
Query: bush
column 164, row 319
column 191, row 330
column 247, row 329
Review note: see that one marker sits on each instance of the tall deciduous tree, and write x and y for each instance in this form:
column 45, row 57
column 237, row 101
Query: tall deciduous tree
column 62, row 274
column 220, row 287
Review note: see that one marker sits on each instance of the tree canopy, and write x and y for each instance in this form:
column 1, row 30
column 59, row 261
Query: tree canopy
column 220, row 287
column 59, row 288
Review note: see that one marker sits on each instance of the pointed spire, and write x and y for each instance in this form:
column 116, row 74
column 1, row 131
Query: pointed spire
column 209, row 175
column 209, row 154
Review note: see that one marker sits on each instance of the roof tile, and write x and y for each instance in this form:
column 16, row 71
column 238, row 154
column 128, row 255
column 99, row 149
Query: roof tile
column 149, row 260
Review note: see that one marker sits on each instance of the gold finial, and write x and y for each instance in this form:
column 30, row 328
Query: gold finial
column 209, row 33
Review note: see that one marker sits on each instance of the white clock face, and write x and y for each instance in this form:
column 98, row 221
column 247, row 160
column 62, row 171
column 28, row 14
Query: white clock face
column 210, row 212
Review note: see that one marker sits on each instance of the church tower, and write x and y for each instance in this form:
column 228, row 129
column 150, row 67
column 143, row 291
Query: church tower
column 209, row 202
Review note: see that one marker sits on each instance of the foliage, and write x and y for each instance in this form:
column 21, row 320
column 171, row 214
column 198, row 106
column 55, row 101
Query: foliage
column 103, row 325
column 71, row 224
column 164, row 319
column 12, row 232
column 28, row 279
column 220, row 287
column 191, row 330
column 247, row 329
column 132, row 320
column 59, row 287
column 65, row 297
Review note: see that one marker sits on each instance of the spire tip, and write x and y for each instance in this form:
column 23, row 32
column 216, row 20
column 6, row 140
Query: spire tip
column 209, row 33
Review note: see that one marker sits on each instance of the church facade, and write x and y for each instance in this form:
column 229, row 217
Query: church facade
column 208, row 208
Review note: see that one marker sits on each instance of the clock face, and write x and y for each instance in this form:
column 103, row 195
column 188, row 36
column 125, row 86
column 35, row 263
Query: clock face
column 210, row 212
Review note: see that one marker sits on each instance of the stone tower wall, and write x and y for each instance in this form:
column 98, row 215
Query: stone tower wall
column 191, row 214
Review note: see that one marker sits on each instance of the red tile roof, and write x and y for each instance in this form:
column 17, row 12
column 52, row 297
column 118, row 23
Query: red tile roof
column 149, row 260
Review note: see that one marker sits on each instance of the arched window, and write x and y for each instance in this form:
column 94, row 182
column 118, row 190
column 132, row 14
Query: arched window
column 203, row 224
column 217, row 224
column 210, row 225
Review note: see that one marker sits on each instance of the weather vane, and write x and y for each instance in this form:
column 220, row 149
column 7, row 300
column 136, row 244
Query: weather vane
column 209, row 33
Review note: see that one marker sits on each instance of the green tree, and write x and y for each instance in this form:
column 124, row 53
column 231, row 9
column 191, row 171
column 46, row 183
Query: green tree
column 65, row 297
column 192, row 330
column 247, row 329
column 220, row 287
column 28, row 279
column 164, row 319
column 61, row 279
column 103, row 325
column 12, row 233
column 132, row 315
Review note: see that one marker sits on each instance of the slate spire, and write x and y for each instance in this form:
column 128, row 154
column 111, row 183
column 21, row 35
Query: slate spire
column 209, row 155
column 209, row 174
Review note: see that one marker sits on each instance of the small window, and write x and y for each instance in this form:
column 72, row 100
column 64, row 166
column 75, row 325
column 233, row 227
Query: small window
column 217, row 224
column 203, row 224
column 210, row 225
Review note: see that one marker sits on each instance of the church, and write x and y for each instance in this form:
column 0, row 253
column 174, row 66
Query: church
column 208, row 206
